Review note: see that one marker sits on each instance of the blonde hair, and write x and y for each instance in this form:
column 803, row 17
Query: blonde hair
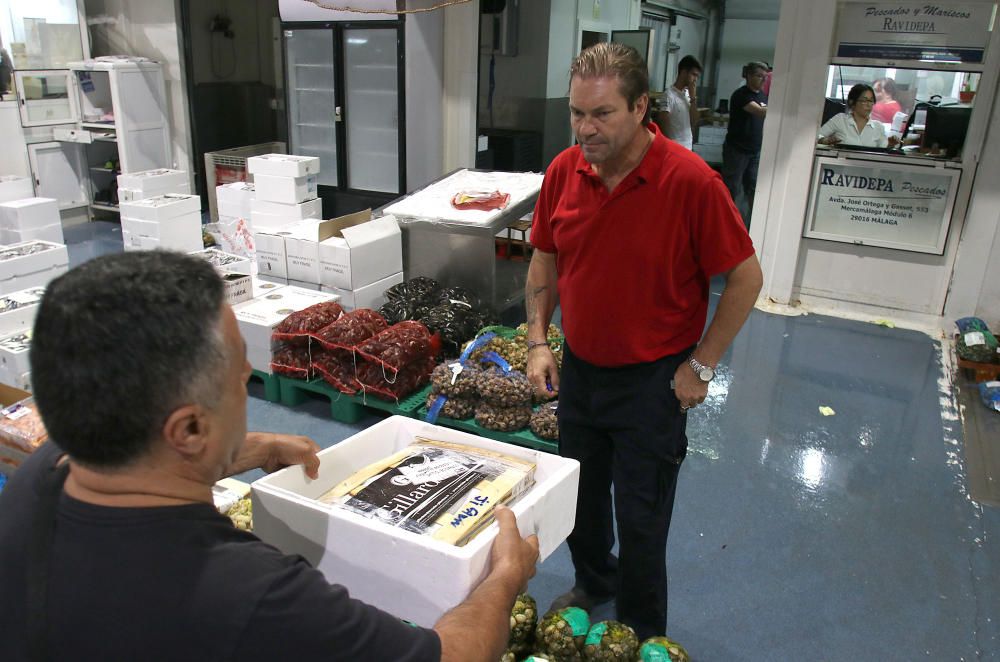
column 607, row 60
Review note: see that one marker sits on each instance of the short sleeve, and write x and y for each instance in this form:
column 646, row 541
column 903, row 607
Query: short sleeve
column 721, row 241
column 541, row 221
column 829, row 128
column 304, row 617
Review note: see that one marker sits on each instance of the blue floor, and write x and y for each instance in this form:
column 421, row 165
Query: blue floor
column 799, row 536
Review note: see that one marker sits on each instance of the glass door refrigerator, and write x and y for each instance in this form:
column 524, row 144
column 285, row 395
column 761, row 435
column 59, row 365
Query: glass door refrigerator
column 344, row 88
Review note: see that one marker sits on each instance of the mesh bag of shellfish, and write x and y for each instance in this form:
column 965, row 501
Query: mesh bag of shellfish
column 456, row 380
column 544, row 422
column 336, row 367
column 502, row 419
column 291, row 361
column 372, row 379
column 449, row 407
column 398, row 346
column 300, row 325
column 499, row 384
column 350, row 329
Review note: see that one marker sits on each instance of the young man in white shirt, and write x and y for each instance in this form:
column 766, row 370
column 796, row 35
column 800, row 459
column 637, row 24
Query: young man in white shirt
column 678, row 111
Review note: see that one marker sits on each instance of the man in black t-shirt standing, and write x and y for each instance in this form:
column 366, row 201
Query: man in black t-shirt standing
column 741, row 151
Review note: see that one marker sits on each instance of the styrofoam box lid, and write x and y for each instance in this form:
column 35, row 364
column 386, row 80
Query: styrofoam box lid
column 156, row 178
column 283, row 165
column 272, row 308
column 28, row 249
column 410, row 576
column 161, row 206
column 237, row 192
column 29, row 202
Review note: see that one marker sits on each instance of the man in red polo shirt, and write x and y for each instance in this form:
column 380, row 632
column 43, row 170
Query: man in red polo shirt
column 628, row 230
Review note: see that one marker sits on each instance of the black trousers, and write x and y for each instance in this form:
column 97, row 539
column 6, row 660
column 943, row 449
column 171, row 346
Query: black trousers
column 625, row 427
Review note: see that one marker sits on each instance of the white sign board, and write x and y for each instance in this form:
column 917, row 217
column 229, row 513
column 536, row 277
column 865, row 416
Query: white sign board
column 945, row 32
column 884, row 204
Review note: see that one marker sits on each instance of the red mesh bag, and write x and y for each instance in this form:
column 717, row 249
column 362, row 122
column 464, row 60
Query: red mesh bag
column 373, row 382
column 291, row 361
column 352, row 328
column 336, row 367
column 398, row 346
column 297, row 327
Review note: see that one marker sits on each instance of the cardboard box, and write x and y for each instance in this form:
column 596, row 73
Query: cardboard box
column 361, row 251
column 258, row 317
column 225, row 262
column 161, row 207
column 52, row 233
column 307, row 286
column 290, row 213
column 29, row 214
column 176, row 233
column 404, row 573
column 369, row 296
column 18, row 310
column 272, row 260
column 287, row 190
column 282, row 165
column 31, row 257
column 237, row 288
column 302, row 250
column 261, row 286
column 13, row 187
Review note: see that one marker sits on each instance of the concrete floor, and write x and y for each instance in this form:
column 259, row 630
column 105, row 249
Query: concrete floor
column 800, row 536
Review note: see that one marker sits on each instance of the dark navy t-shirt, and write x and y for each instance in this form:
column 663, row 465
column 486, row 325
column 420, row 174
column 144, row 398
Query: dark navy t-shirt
column 746, row 131
column 179, row 583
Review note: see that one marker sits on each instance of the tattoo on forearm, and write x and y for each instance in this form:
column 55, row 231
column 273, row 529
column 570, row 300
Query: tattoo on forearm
column 532, row 303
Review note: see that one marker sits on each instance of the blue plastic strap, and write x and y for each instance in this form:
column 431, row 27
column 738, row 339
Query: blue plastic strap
column 435, row 410
column 481, row 341
column 493, row 357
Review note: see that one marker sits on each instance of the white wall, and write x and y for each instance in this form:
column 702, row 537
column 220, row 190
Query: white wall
column 148, row 29
column 461, row 38
column 743, row 40
column 424, row 93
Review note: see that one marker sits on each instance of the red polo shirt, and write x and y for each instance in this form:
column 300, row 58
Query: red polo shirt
column 634, row 264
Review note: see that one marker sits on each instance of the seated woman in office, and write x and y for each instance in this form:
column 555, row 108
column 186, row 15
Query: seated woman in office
column 856, row 127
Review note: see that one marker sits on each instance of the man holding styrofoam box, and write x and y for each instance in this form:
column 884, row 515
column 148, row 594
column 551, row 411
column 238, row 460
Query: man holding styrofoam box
column 31, row 264
column 171, row 221
column 136, row 186
column 30, row 218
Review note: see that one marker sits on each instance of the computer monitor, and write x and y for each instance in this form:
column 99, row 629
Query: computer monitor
column 946, row 127
column 831, row 108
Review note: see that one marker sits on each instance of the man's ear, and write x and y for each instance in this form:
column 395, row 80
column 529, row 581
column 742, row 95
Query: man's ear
column 186, row 430
column 642, row 105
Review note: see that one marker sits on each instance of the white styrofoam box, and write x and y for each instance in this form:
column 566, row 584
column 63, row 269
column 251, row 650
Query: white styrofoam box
column 234, row 199
column 287, row 190
column 282, row 165
column 361, row 254
column 302, row 250
column 368, row 296
column 13, row 187
column 258, row 317
column 52, row 233
column 270, row 222
column 29, row 213
column 14, row 350
column 159, row 179
column 404, row 573
column 272, row 259
column 290, row 213
column 131, row 195
column 31, row 257
column 237, row 288
column 224, row 262
column 18, row 310
column 261, row 286
column 136, row 242
column 180, row 231
column 34, row 279
column 161, row 207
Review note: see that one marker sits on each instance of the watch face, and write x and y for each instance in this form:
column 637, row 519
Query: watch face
column 706, row 374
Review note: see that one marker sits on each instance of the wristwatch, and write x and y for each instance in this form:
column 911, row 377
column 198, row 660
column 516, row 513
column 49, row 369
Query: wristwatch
column 706, row 373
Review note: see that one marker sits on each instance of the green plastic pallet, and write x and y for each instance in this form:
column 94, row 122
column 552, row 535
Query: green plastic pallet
column 272, row 389
column 524, row 437
column 346, row 408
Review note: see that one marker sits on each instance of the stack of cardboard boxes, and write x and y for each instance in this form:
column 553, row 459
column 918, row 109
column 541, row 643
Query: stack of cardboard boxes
column 170, row 221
